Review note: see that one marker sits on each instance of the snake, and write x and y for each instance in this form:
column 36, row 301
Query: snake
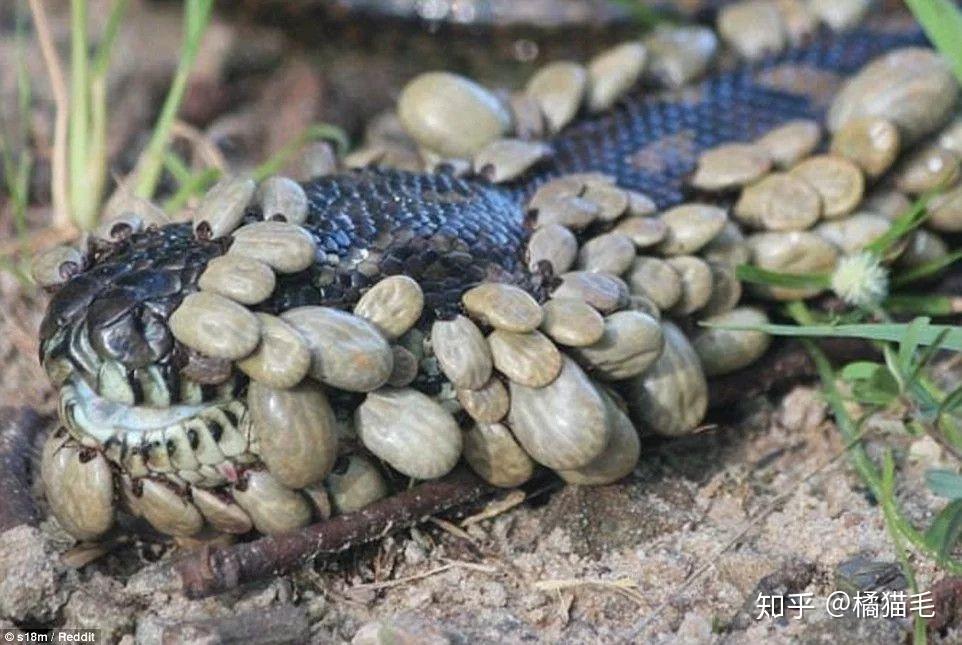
column 110, row 344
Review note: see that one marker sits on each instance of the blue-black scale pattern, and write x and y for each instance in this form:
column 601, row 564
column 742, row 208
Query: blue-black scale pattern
column 447, row 233
column 728, row 107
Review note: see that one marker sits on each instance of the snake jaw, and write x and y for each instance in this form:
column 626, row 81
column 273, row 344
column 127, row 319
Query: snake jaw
column 88, row 415
column 183, row 442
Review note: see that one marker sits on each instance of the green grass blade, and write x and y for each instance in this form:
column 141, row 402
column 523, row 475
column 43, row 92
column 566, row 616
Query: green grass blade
column 945, row 530
column 922, row 305
column 756, row 275
column 21, row 194
column 926, row 358
column 846, row 425
column 644, row 15
column 910, row 343
column 176, row 167
column 24, row 87
column 859, row 371
column 927, row 269
column 101, row 61
column 950, row 404
column 901, row 226
column 79, row 118
column 96, row 167
column 195, row 185
column 942, row 23
column 318, row 131
column 888, row 332
column 196, row 17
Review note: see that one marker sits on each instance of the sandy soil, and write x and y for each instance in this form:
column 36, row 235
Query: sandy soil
column 679, row 552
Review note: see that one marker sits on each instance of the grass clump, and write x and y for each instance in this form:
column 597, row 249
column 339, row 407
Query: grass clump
column 901, row 383
column 16, row 158
column 79, row 160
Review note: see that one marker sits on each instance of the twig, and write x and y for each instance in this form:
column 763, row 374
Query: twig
column 19, row 428
column 58, row 183
column 397, row 582
column 496, row 507
column 202, row 144
column 452, row 529
column 214, row 570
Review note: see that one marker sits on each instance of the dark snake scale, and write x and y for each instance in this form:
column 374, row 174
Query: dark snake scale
column 445, row 232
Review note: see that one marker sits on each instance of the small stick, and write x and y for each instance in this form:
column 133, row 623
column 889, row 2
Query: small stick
column 496, row 507
column 18, row 431
column 212, row 570
column 62, row 101
column 205, row 148
column 622, row 586
column 397, row 582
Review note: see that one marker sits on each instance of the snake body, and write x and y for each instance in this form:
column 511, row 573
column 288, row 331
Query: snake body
column 447, row 233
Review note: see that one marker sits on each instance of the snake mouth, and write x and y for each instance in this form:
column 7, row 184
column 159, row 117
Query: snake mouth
column 150, row 419
column 104, row 402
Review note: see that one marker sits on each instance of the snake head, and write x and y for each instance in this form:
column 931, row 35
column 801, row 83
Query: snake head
column 105, row 336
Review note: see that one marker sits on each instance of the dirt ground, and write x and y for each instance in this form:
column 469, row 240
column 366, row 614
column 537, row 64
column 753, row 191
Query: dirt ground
column 764, row 502
column 679, row 552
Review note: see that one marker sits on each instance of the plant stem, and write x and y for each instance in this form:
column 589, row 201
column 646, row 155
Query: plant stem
column 757, row 275
column 87, row 213
column 96, row 165
column 196, row 17
column 312, row 133
column 58, row 180
column 942, row 23
column 176, row 166
column 929, row 305
column 927, row 269
column 101, row 62
column 902, row 225
column 887, row 332
column 857, row 455
column 80, row 196
column 195, row 184
column 901, row 552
